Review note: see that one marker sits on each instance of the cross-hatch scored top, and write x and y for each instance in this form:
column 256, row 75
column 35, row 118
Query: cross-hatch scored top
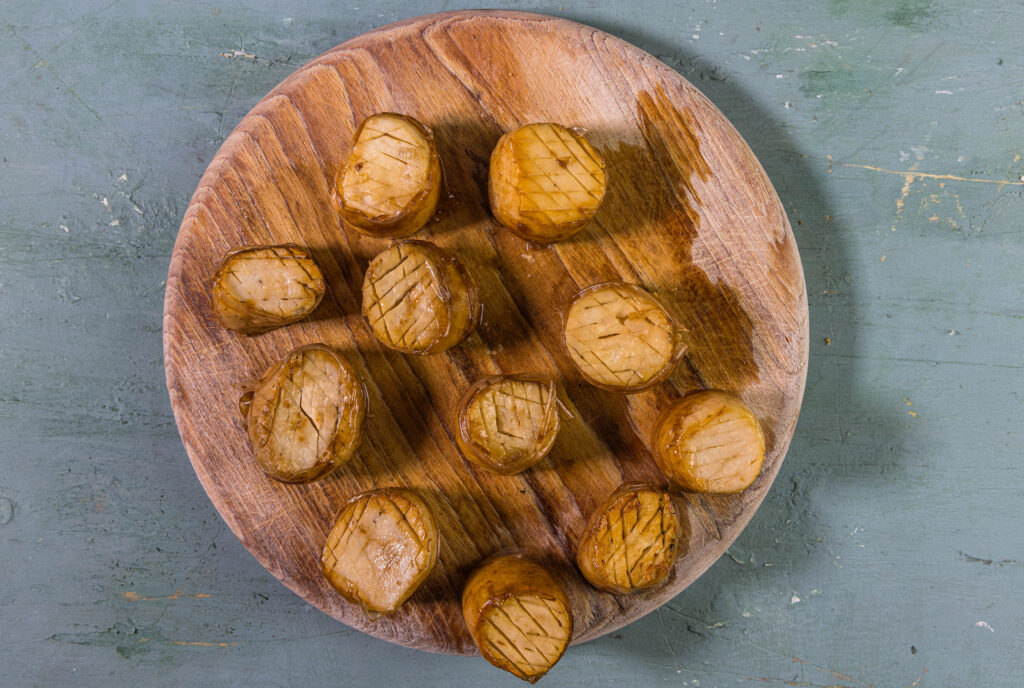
column 619, row 336
column 388, row 167
column 510, row 417
column 638, row 536
column 528, row 631
column 407, row 309
column 306, row 415
column 275, row 280
column 560, row 181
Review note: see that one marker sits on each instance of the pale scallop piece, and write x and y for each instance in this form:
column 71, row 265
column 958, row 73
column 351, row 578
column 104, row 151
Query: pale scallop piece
column 621, row 337
column 518, row 615
column 709, row 442
column 258, row 288
column 305, row 416
column 508, row 423
column 546, row 182
column 418, row 299
column 382, row 547
column 391, row 181
column 630, row 542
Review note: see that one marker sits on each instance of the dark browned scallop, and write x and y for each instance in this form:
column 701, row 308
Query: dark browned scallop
column 419, row 299
column 382, row 547
column 305, row 416
column 518, row 615
column 630, row 541
column 508, row 423
column 621, row 337
column 709, row 442
column 546, row 182
column 258, row 288
column 390, row 184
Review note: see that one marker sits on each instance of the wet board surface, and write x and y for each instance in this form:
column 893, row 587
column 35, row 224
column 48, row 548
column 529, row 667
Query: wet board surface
column 689, row 214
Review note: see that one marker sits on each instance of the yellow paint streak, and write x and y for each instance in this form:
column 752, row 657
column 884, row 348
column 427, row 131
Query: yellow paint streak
column 200, row 643
column 133, row 596
column 914, row 174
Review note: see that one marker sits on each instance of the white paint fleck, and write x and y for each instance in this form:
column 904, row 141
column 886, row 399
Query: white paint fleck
column 746, row 615
column 788, row 104
column 953, row 332
column 944, row 92
column 983, row 624
column 898, row 72
column 137, row 209
column 780, row 76
column 904, row 156
column 65, row 228
column 115, row 223
column 123, row 178
column 794, row 599
column 106, row 203
column 818, row 96
column 815, row 592
column 287, row 20
column 695, row 36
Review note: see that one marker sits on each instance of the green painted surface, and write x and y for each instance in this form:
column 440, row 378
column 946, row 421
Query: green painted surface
column 893, row 540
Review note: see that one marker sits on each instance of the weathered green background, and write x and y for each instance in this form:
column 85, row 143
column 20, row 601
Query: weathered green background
column 890, row 552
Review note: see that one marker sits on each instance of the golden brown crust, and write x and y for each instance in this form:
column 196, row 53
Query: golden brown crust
column 418, row 299
column 621, row 337
column 390, row 184
column 630, row 543
column 518, row 615
column 545, row 182
column 382, row 547
column 709, row 442
column 508, row 423
column 258, row 288
column 304, row 417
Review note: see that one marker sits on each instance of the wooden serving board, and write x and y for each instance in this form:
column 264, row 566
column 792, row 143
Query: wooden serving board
column 689, row 213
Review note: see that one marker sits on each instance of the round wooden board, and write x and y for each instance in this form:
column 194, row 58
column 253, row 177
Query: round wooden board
column 689, row 213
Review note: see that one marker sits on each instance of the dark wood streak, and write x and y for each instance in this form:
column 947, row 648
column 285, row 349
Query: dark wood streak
column 678, row 175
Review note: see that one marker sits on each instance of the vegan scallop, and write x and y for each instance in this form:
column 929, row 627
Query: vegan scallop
column 391, row 181
column 621, row 337
column 258, row 288
column 382, row 547
column 518, row 615
column 546, row 182
column 419, row 299
column 508, row 423
column 304, row 417
column 630, row 541
column 709, row 442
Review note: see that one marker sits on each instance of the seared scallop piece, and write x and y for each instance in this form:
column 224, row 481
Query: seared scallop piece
column 630, row 542
column 709, row 442
column 382, row 547
column 419, row 299
column 390, row 183
column 621, row 337
column 508, row 423
column 258, row 288
column 545, row 182
column 305, row 416
column 518, row 615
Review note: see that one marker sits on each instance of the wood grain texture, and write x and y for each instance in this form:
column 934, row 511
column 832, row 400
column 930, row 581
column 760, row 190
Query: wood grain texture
column 689, row 214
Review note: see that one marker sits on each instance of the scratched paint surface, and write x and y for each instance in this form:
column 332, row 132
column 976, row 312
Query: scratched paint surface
column 890, row 552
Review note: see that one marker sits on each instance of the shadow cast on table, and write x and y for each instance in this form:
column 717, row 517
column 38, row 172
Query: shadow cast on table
column 832, row 380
